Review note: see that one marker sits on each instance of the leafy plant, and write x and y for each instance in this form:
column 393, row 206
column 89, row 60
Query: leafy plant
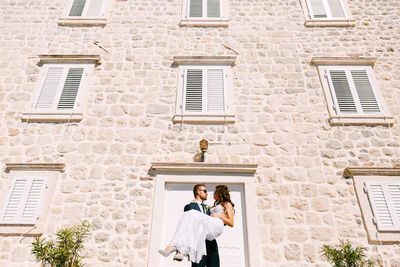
column 346, row 256
column 64, row 251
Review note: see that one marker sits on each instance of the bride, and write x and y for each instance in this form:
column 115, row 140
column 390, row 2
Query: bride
column 195, row 227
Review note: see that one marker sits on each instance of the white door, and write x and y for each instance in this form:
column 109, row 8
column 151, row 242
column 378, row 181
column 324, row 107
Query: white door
column 231, row 244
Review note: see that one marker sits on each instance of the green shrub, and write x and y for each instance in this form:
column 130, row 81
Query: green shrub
column 346, row 256
column 64, row 251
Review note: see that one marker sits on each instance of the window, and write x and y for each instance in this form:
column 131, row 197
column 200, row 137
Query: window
column 204, row 9
column 24, row 200
column 385, row 204
column 326, row 13
column 25, row 196
column 61, row 89
column 85, row 13
column 204, row 91
column 351, row 91
column 205, row 88
column 204, row 13
column 378, row 193
column 86, row 8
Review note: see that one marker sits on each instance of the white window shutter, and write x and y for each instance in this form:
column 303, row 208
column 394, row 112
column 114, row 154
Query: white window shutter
column 336, row 8
column 196, row 8
column 30, row 211
column 365, row 92
column 49, row 88
column 380, row 203
column 342, row 90
column 394, row 192
column 194, row 90
column 94, row 9
column 24, row 200
column 12, row 210
column 213, row 9
column 215, row 90
column 317, row 9
column 70, row 89
column 77, row 8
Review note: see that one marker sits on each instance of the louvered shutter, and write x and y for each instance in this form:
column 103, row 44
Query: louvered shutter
column 213, row 9
column 194, row 90
column 77, row 8
column 317, row 9
column 16, row 196
column 394, row 191
column 384, row 199
column 49, row 88
column 215, row 90
column 94, row 9
column 30, row 210
column 196, row 8
column 342, row 90
column 24, row 201
column 364, row 91
column 70, row 89
column 336, row 8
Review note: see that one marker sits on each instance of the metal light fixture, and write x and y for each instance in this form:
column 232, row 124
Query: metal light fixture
column 203, row 148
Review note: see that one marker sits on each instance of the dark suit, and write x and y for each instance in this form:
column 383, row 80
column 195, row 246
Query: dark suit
column 212, row 258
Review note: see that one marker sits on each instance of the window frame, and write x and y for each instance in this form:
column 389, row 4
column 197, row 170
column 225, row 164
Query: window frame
column 204, row 21
column 181, row 115
column 204, row 69
column 29, row 178
column 361, row 177
column 51, row 172
column 329, row 21
column 340, row 118
column 67, row 115
column 85, row 20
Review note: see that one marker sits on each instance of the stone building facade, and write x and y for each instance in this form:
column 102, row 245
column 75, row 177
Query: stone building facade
column 289, row 68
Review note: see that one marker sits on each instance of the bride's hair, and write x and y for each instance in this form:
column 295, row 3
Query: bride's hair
column 224, row 197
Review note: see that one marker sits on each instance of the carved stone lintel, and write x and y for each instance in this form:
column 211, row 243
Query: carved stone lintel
column 35, row 167
column 198, row 167
column 205, row 60
column 69, row 59
column 343, row 61
column 350, row 172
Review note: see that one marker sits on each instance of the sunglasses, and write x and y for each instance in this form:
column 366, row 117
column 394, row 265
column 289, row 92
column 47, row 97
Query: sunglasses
column 204, row 190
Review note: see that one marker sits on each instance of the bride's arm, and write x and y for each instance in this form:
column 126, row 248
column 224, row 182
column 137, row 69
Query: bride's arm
column 226, row 217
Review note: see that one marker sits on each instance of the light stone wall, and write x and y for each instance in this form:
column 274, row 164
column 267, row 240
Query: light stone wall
column 303, row 201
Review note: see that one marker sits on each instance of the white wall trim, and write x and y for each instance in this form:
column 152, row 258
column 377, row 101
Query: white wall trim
column 170, row 175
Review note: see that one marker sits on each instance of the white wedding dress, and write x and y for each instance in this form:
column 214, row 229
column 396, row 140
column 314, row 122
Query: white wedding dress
column 193, row 228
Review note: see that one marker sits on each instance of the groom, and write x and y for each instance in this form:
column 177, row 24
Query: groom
column 212, row 257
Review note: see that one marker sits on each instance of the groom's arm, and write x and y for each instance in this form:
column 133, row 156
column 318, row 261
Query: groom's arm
column 187, row 207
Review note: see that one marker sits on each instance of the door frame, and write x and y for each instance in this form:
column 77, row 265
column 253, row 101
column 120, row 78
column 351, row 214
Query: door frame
column 242, row 174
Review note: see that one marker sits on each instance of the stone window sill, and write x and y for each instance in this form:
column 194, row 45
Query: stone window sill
column 358, row 120
column 204, row 23
column 51, row 117
column 215, row 119
column 330, row 23
column 78, row 21
column 20, row 230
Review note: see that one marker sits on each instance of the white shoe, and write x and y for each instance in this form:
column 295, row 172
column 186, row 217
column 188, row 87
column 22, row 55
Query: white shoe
column 166, row 253
column 178, row 257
